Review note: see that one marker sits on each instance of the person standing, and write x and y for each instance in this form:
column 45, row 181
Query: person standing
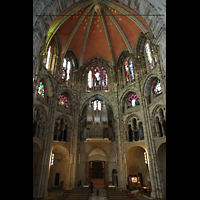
column 91, row 186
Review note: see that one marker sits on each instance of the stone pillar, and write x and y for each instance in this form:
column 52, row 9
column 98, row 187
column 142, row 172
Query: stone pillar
column 153, row 163
column 40, row 189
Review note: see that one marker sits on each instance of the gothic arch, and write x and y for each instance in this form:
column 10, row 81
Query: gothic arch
column 93, row 148
column 132, row 116
column 146, row 90
column 94, row 96
column 49, row 85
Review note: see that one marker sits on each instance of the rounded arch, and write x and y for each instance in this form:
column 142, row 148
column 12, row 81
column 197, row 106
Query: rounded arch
column 57, row 148
column 146, row 90
column 156, row 110
column 136, row 163
column 130, row 117
column 96, row 154
column 60, row 167
column 67, row 118
column 48, row 85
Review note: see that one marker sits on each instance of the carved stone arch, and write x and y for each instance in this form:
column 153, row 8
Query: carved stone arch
column 72, row 53
column 93, row 148
column 96, row 60
column 40, row 106
column 155, row 112
column 49, row 85
column 122, row 56
column 146, row 90
column 69, row 123
column 130, row 117
column 94, row 96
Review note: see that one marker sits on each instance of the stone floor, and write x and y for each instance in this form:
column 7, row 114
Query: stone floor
column 101, row 191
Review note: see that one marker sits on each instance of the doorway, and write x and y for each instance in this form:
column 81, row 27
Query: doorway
column 97, row 172
column 57, row 177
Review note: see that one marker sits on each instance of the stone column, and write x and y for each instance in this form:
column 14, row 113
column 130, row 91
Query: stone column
column 153, row 163
column 41, row 189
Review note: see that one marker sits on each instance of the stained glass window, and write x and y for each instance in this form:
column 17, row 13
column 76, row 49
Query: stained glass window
column 149, row 56
column 129, row 73
column 96, row 76
column 157, row 89
column 104, row 80
column 96, row 105
column 90, row 80
column 67, row 65
column 63, row 101
column 132, row 100
column 126, row 72
column 131, row 70
column 41, row 89
column 48, row 57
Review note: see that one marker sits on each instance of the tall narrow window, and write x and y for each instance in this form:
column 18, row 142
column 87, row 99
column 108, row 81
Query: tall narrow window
column 157, row 89
column 90, row 80
column 104, row 80
column 41, row 89
column 129, row 73
column 97, row 79
column 97, row 105
column 48, row 57
column 131, row 70
column 126, row 72
column 67, row 65
column 149, row 55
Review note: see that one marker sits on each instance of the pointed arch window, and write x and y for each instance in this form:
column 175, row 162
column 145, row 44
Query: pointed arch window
column 67, row 65
column 97, row 79
column 151, row 55
column 129, row 73
column 48, row 57
column 157, row 89
column 41, row 89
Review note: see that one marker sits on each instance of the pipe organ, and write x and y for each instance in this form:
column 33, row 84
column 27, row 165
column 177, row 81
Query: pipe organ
column 97, row 119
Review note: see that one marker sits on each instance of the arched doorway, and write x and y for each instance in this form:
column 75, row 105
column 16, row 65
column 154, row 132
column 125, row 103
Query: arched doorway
column 97, row 167
column 162, row 167
column 59, row 169
column 137, row 167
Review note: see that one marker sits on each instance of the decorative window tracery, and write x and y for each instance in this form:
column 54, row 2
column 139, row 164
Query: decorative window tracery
column 63, row 101
column 48, row 57
column 67, row 65
column 129, row 73
column 96, row 76
column 157, row 89
column 41, row 89
column 132, row 100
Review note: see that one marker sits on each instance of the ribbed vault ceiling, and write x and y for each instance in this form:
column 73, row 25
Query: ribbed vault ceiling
column 97, row 28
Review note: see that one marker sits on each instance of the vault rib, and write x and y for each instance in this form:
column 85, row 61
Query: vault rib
column 119, row 29
column 74, row 31
column 86, row 37
column 108, row 38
